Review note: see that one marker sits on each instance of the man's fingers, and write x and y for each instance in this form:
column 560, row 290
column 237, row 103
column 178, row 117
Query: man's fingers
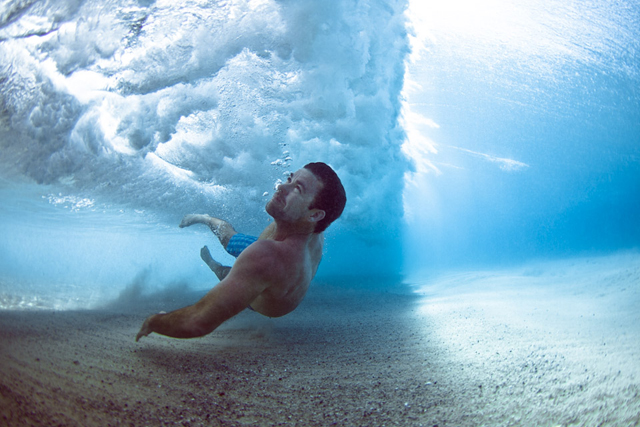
column 144, row 330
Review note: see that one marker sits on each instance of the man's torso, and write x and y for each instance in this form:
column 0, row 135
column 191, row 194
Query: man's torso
column 295, row 262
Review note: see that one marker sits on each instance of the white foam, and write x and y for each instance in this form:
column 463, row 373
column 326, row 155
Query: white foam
column 232, row 96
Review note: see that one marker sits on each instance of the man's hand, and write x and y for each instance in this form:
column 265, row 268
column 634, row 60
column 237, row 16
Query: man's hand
column 146, row 328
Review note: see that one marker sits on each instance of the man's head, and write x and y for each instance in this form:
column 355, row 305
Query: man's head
column 331, row 198
column 312, row 196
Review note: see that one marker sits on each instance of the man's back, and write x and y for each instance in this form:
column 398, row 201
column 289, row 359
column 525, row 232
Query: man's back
column 290, row 264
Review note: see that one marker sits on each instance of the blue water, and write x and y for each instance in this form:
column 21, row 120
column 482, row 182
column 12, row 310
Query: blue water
column 464, row 135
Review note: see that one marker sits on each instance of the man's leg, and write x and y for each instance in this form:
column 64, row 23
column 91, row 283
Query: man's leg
column 220, row 270
column 223, row 231
column 221, row 228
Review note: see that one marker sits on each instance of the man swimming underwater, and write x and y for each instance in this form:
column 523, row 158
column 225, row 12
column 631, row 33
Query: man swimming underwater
column 272, row 274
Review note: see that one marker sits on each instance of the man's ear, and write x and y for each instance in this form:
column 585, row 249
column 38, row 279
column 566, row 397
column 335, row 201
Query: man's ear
column 316, row 215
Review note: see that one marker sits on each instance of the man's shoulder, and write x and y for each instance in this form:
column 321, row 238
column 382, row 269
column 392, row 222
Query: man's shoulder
column 264, row 253
column 261, row 248
column 264, row 260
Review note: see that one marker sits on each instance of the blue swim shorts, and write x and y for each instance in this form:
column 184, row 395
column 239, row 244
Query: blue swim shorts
column 238, row 243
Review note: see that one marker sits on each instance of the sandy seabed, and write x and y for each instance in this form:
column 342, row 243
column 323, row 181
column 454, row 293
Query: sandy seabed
column 547, row 344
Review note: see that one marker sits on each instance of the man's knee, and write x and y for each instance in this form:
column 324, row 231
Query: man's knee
column 225, row 232
column 224, row 240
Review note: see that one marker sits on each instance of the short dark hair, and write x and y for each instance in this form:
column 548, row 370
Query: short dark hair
column 331, row 198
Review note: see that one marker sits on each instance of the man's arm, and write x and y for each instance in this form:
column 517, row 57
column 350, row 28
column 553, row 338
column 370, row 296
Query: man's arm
column 250, row 276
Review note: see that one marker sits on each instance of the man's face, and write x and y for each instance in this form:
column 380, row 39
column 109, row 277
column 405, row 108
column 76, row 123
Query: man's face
column 292, row 199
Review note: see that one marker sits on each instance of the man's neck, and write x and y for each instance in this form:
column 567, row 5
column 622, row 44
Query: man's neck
column 281, row 231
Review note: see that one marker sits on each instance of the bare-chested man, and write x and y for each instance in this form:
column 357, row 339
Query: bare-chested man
column 273, row 274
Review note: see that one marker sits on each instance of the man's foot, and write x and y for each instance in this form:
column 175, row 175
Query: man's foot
column 206, row 255
column 220, row 270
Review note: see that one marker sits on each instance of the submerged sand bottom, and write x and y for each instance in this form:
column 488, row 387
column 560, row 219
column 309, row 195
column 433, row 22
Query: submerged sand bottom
column 554, row 343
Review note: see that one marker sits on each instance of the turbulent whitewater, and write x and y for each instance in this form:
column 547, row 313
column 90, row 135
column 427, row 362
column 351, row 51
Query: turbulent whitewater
column 130, row 113
column 465, row 134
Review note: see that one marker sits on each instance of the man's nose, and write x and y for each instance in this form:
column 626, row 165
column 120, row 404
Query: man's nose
column 284, row 187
